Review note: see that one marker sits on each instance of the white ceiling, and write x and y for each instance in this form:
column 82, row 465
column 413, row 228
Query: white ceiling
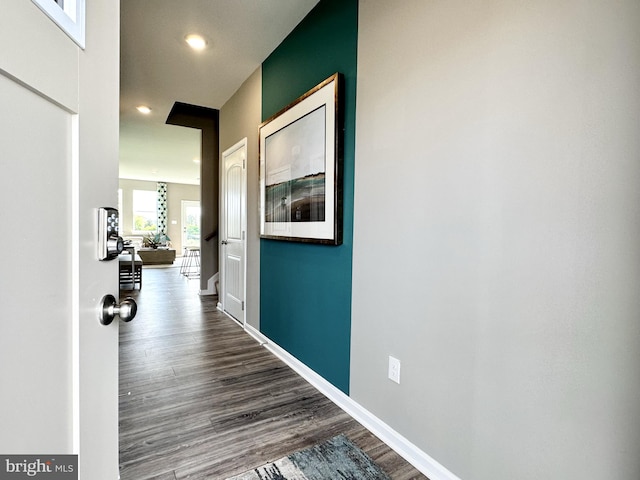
column 157, row 68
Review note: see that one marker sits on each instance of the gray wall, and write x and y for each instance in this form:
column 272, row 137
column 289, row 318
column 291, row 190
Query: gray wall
column 497, row 209
column 239, row 118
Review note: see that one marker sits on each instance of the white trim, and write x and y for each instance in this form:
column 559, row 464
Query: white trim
column 75, row 279
column 411, row 453
column 71, row 20
column 260, row 338
column 235, row 320
column 211, row 286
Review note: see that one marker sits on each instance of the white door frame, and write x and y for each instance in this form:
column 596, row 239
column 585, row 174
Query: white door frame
column 241, row 145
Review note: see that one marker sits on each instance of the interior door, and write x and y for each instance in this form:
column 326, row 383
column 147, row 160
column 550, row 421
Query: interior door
column 58, row 155
column 233, row 231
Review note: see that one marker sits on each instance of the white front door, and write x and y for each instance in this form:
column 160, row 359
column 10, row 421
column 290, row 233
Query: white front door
column 58, row 161
column 233, row 230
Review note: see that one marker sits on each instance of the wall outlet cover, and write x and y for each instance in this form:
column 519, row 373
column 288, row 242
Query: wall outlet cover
column 394, row 369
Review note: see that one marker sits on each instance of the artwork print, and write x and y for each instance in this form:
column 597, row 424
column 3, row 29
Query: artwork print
column 300, row 166
column 295, row 179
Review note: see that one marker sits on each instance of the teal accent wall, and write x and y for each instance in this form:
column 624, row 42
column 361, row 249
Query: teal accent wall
column 305, row 289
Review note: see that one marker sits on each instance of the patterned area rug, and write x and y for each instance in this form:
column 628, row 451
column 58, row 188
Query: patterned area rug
column 337, row 459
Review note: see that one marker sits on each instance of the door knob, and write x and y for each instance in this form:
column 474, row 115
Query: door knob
column 109, row 308
column 224, row 242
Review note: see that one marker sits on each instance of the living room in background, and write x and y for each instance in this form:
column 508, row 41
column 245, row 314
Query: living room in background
column 176, row 193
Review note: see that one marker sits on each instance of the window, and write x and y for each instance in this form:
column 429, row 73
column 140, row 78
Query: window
column 68, row 15
column 145, row 213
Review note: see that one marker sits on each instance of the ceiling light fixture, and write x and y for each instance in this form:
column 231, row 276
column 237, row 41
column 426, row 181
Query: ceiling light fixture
column 197, row 42
column 144, row 109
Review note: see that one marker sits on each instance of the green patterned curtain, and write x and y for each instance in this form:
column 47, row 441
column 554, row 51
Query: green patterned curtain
column 162, row 208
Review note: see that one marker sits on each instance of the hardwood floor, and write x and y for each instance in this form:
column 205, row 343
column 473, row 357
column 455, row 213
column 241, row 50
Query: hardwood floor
column 201, row 399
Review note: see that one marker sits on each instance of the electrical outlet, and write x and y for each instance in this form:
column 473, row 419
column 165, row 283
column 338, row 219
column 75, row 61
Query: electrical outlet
column 394, row 369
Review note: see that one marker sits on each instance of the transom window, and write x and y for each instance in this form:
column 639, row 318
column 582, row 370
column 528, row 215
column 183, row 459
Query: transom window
column 68, row 15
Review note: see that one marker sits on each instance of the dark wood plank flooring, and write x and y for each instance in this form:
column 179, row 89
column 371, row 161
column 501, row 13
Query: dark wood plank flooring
column 201, row 399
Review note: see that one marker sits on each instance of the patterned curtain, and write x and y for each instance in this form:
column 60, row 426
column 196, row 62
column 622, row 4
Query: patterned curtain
column 162, row 208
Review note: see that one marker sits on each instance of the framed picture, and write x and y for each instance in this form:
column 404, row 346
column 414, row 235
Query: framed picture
column 301, row 168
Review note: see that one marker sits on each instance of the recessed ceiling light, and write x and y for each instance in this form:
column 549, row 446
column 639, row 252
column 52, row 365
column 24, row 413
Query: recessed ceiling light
column 197, row 42
column 144, row 109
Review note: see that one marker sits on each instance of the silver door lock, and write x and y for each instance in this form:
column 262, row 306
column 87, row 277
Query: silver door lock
column 109, row 308
column 110, row 244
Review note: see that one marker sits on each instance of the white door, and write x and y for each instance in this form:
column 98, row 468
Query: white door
column 58, row 163
column 190, row 223
column 233, row 230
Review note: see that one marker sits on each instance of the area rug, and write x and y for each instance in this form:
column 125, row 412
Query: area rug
column 336, row 459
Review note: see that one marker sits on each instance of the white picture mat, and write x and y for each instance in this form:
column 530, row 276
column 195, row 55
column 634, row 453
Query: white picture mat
column 312, row 230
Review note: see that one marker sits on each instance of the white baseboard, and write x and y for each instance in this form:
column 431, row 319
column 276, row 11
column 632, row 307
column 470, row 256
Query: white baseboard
column 211, row 285
column 411, row 453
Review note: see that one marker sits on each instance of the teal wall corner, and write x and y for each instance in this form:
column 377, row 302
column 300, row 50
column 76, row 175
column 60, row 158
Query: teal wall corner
column 305, row 304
